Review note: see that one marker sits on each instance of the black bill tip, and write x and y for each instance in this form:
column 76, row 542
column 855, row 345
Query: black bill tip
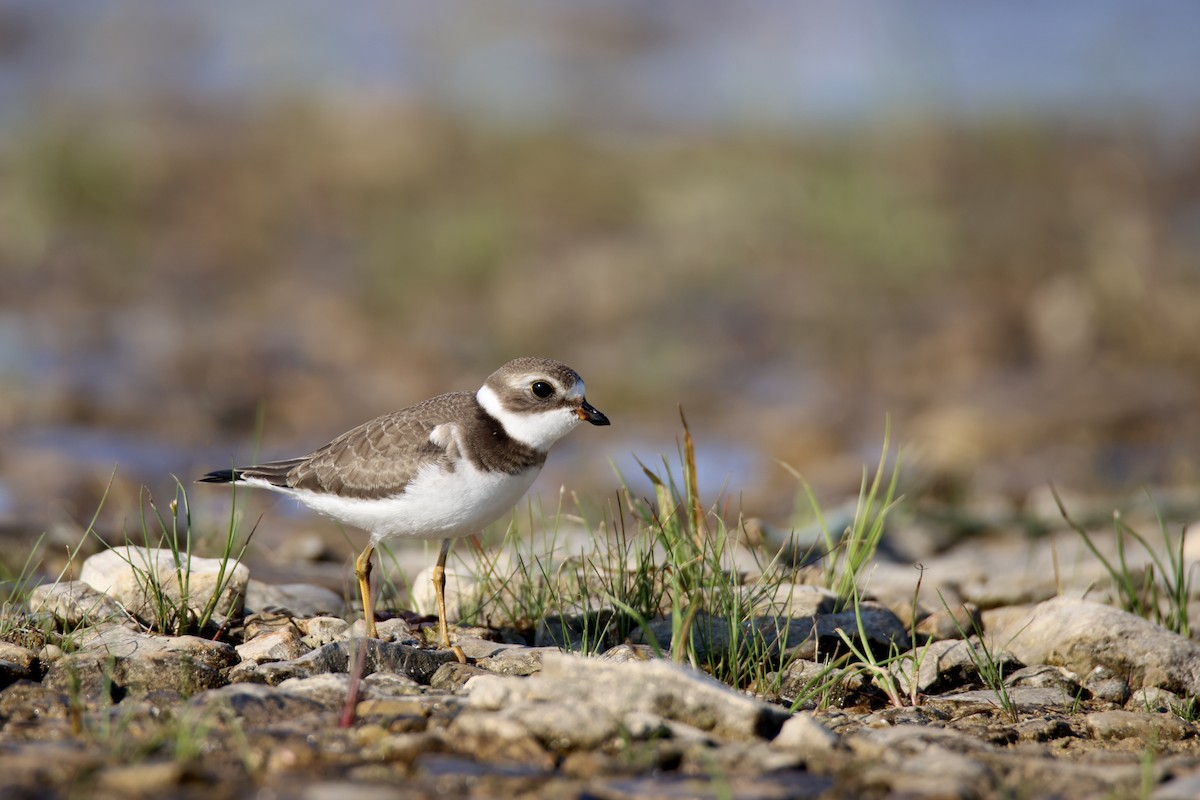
column 589, row 413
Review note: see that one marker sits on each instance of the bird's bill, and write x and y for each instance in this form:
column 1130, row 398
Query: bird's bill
column 588, row 413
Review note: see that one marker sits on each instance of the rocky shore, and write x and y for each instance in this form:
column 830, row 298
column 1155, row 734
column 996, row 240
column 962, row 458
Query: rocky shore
column 282, row 697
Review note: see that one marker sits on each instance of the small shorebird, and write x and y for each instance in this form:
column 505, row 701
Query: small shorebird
column 442, row 469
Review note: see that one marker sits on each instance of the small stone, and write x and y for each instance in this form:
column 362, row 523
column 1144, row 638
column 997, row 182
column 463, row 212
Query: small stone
column 330, row 690
column 1153, row 699
column 804, row 734
column 389, row 630
column 320, row 631
column 21, row 661
column 1182, row 787
column 141, row 779
column 49, row 654
column 945, row 624
column 121, row 642
column 74, row 603
column 257, row 705
column 1110, row 690
column 417, row 663
column 390, row 684
column 1045, row 676
column 627, row 652
column 453, row 676
column 281, row 645
column 26, row 700
column 659, row 687
column 947, row 664
column 514, row 660
column 1119, row 724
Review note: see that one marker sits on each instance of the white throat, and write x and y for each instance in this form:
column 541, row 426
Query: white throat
column 539, row 429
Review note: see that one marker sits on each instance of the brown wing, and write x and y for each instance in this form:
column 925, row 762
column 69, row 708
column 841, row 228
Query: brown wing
column 378, row 458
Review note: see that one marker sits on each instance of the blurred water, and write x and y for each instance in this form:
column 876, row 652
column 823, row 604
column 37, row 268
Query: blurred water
column 619, row 63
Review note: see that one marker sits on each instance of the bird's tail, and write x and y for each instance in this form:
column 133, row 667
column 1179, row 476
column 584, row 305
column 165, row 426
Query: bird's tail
column 274, row 473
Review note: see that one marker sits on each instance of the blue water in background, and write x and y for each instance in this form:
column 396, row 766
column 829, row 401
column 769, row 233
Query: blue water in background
column 620, row 63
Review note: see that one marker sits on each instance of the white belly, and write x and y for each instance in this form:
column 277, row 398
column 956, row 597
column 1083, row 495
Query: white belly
column 436, row 505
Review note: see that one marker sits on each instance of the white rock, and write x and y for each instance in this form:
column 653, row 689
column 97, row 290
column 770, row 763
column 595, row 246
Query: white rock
column 803, row 733
column 131, row 575
column 461, row 590
column 281, row 645
column 74, row 603
column 1081, row 635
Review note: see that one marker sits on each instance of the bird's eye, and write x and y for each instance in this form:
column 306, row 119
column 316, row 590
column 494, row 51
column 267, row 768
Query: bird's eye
column 542, row 389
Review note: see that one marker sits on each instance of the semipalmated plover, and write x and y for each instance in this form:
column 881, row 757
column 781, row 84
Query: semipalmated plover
column 442, row 469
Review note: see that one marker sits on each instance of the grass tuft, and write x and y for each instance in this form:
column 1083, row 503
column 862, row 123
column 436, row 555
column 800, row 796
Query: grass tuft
column 1161, row 591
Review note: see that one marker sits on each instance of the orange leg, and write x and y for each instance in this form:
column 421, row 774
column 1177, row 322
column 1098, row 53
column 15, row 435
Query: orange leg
column 439, row 592
column 362, row 570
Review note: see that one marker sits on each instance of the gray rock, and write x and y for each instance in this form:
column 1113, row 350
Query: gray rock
column 818, row 639
column 17, row 663
column 388, row 684
column 259, row 706
column 1183, row 787
column 417, row 663
column 516, row 660
column 605, row 692
column 945, row 665
column 453, row 676
column 74, row 603
column 129, row 575
column 1024, row 697
column 293, row 599
column 1154, row 699
column 28, row 701
column 1118, row 724
column 115, row 662
column 329, row 689
column 120, row 642
column 628, row 652
column 1046, row 677
column 281, row 645
column 320, row 631
column 389, row 630
column 802, row 733
column 1081, row 635
column 813, row 683
column 130, row 780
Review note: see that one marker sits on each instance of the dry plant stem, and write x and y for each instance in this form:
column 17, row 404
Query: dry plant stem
column 439, row 592
column 362, row 570
column 693, row 486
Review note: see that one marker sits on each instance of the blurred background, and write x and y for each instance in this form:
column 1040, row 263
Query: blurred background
column 231, row 232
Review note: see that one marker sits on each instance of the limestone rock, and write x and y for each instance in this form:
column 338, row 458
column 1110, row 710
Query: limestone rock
column 1082, row 635
column 573, row 690
column 74, row 603
column 133, row 575
column 281, row 645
